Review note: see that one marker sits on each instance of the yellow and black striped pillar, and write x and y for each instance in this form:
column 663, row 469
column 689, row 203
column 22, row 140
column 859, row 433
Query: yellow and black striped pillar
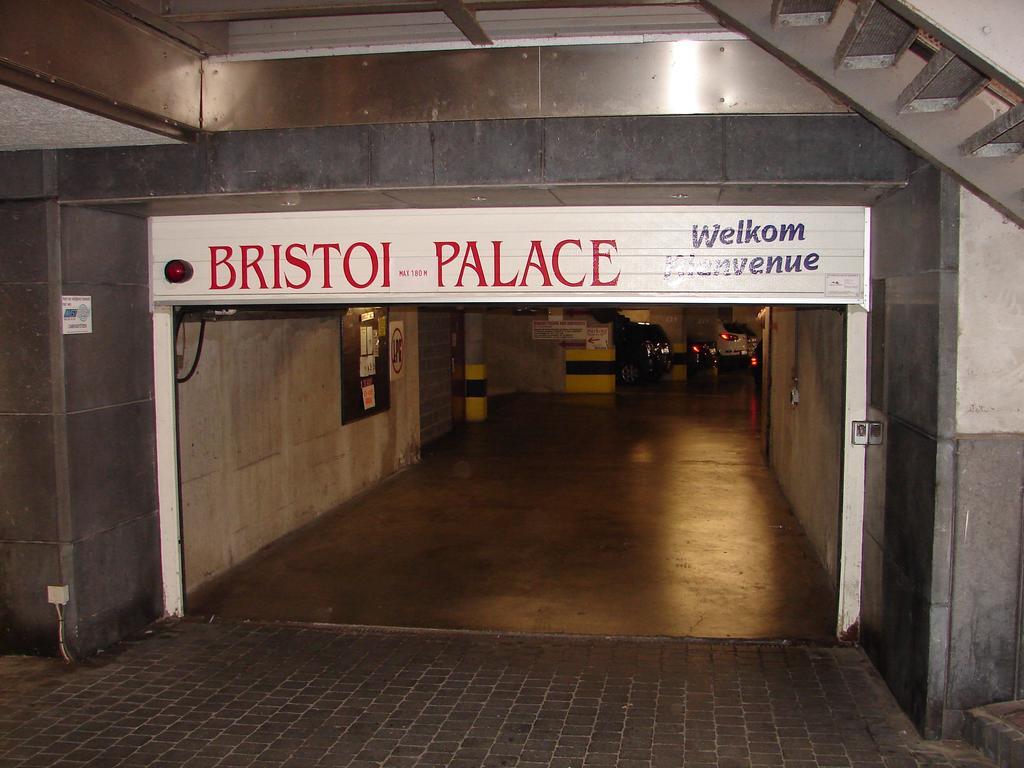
column 476, row 392
column 679, row 354
column 590, row 370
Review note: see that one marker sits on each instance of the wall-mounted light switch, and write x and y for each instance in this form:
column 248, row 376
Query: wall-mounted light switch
column 866, row 433
column 874, row 433
column 860, row 433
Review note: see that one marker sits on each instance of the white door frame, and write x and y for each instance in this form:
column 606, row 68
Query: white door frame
column 854, row 456
column 168, row 499
column 853, row 489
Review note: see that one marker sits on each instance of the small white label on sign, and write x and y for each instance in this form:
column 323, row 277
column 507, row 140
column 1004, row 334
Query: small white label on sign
column 76, row 314
column 843, row 285
column 366, row 316
column 598, row 337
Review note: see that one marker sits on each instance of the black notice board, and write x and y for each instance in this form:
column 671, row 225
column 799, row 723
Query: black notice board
column 365, row 370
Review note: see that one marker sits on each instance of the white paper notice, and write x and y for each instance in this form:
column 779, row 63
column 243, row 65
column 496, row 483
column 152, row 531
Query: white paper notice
column 367, row 337
column 367, row 365
column 369, row 396
column 76, row 314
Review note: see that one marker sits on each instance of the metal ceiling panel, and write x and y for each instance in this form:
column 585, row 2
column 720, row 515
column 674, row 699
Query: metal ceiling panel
column 475, row 197
column 638, row 194
column 804, row 194
column 680, row 78
column 237, row 10
column 413, row 87
column 342, row 33
column 549, row 196
column 419, row 31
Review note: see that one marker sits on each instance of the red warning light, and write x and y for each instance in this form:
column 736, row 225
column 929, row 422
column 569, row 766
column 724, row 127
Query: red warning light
column 178, row 271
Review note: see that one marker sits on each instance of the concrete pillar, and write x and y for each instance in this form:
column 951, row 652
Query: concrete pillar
column 476, row 368
column 590, row 370
column 79, row 505
column 986, row 636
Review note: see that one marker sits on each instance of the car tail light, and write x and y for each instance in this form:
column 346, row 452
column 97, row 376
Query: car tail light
column 729, row 337
column 753, row 362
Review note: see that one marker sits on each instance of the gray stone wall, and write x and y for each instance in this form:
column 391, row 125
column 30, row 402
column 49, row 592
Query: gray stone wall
column 909, row 511
column 985, row 622
column 76, row 424
column 435, row 373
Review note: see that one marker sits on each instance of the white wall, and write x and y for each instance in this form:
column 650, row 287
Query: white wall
column 990, row 346
column 262, row 448
column 807, row 439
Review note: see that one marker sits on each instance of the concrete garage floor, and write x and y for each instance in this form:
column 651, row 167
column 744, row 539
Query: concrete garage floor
column 232, row 695
column 650, row 512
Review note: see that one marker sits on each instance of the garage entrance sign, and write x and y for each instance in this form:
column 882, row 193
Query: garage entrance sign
column 720, row 255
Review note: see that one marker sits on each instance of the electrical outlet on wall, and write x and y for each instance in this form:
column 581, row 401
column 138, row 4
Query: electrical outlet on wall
column 58, row 595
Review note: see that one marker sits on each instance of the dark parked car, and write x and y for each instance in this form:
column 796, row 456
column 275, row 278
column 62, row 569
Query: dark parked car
column 642, row 351
column 701, row 356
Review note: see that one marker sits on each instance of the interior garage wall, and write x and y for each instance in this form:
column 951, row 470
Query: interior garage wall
column 672, row 320
column 909, row 510
column 435, row 373
column 262, row 447
column 808, row 353
column 515, row 361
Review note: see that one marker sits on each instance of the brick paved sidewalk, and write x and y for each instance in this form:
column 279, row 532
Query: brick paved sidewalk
column 239, row 694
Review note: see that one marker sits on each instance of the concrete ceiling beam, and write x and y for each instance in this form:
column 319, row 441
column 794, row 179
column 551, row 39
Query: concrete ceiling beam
column 465, row 19
column 90, row 56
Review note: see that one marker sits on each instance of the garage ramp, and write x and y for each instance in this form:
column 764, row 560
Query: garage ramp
column 649, row 513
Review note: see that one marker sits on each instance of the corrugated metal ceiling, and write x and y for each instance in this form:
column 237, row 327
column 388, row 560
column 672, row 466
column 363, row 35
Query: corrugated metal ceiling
column 368, row 33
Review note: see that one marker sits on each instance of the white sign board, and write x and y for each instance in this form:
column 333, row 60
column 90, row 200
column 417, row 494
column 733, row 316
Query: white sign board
column 559, row 330
column 76, row 314
column 700, row 254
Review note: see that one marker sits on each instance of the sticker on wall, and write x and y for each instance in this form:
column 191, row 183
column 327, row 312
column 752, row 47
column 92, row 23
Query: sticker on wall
column 396, row 349
column 369, row 395
column 598, row 337
column 76, row 314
